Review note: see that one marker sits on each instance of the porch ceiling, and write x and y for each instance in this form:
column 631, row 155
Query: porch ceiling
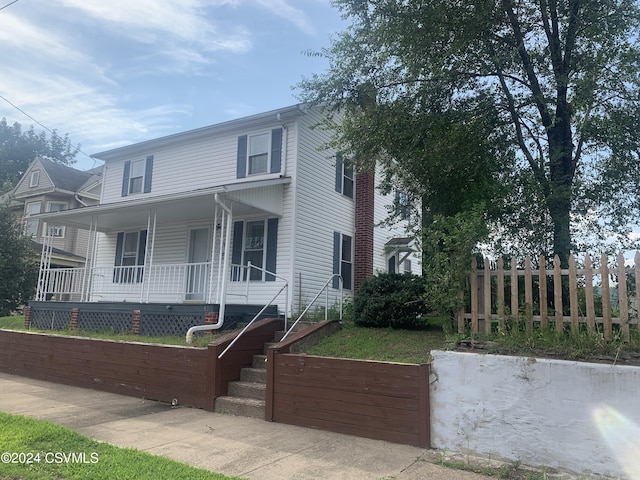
column 182, row 207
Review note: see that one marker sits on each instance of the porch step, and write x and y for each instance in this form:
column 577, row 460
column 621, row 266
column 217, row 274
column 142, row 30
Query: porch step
column 268, row 345
column 259, row 361
column 254, row 375
column 247, row 390
column 300, row 326
column 243, row 407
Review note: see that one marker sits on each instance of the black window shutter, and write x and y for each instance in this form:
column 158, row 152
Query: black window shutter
column 336, row 258
column 339, row 174
column 119, row 247
column 236, row 248
column 272, row 248
column 142, row 247
column 241, row 167
column 125, row 178
column 276, row 150
column 148, row 173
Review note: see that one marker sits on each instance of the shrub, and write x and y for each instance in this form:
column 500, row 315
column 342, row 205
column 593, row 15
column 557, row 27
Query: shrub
column 391, row 300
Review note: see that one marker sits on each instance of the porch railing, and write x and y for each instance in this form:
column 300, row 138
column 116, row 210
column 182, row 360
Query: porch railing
column 159, row 282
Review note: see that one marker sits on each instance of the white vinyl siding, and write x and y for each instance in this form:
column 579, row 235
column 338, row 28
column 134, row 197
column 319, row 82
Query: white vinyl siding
column 319, row 213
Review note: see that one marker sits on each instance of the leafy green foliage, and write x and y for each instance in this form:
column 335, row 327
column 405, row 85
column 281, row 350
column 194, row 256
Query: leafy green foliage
column 18, row 264
column 446, row 260
column 391, row 300
column 440, row 84
column 19, row 148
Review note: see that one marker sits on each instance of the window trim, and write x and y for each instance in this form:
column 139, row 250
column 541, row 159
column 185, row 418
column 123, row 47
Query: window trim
column 345, row 177
column 120, row 273
column 339, row 262
column 34, row 224
column 248, row 159
column 147, row 176
column 269, row 248
column 35, row 174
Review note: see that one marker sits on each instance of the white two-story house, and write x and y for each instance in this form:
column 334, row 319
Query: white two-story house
column 230, row 214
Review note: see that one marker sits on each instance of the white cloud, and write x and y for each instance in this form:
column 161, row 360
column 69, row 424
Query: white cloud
column 294, row 15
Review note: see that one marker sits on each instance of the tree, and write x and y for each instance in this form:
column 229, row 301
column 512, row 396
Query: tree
column 559, row 79
column 19, row 148
column 18, row 263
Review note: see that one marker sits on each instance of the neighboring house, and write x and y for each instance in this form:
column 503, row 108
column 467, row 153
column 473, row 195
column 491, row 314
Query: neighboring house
column 47, row 186
column 229, row 214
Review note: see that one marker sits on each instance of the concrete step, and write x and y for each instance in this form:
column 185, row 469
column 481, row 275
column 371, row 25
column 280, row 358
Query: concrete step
column 259, row 361
column 247, row 390
column 243, row 407
column 255, row 375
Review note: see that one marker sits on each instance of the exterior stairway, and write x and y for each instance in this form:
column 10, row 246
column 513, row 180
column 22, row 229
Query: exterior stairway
column 246, row 397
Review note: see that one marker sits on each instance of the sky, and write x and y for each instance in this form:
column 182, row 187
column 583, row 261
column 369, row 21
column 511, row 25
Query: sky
column 111, row 73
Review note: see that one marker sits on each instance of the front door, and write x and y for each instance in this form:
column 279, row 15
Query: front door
column 198, row 268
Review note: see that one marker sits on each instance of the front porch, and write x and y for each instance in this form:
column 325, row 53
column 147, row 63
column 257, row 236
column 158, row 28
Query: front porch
column 207, row 247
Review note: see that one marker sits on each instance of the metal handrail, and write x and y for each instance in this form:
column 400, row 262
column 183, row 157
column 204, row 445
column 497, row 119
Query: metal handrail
column 285, row 286
column 326, row 304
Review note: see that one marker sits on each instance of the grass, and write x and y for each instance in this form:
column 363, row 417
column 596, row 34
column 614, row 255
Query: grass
column 92, row 460
column 384, row 344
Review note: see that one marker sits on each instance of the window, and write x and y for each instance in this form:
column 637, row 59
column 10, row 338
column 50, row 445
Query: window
column 254, row 248
column 259, row 153
column 31, row 225
column 137, row 176
column 130, row 257
column 57, row 231
column 407, row 266
column 344, row 177
column 255, row 242
column 34, row 179
column 403, row 205
column 343, row 259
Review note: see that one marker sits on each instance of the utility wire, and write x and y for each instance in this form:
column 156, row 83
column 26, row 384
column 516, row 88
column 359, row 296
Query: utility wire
column 14, row 1
column 39, row 123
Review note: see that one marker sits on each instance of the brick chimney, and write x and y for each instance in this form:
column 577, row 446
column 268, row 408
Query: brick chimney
column 363, row 239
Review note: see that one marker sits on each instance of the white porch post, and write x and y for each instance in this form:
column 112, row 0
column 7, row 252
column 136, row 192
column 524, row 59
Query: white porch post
column 148, row 257
column 226, row 258
column 45, row 265
column 85, row 292
column 213, row 254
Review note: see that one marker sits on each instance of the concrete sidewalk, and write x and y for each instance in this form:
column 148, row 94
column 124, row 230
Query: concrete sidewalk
column 237, row 446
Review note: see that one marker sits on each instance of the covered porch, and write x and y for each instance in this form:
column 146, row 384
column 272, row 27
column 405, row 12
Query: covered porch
column 209, row 246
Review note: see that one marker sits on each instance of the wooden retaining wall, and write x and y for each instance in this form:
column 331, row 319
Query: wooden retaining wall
column 377, row 400
column 193, row 376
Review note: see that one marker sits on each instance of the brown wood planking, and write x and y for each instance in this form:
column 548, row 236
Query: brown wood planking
column 369, row 399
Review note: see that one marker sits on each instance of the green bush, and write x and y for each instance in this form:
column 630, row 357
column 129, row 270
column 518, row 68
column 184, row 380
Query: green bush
column 391, row 300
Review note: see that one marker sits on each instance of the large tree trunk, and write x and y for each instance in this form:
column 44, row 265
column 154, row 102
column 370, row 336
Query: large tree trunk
column 562, row 171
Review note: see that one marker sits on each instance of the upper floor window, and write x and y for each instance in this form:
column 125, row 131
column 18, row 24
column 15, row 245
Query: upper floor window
column 55, row 230
column 344, row 176
column 34, row 179
column 31, row 225
column 137, row 176
column 259, row 153
column 258, row 161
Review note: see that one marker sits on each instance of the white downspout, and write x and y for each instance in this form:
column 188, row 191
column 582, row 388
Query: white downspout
column 225, row 272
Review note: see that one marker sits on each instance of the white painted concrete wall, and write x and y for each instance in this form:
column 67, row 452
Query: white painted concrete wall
column 539, row 411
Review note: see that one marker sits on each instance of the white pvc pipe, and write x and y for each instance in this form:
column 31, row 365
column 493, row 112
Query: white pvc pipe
column 202, row 328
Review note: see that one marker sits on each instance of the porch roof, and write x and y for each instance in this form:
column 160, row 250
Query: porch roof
column 176, row 207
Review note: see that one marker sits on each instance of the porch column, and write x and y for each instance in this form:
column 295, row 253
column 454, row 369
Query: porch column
column 148, row 256
column 87, row 275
